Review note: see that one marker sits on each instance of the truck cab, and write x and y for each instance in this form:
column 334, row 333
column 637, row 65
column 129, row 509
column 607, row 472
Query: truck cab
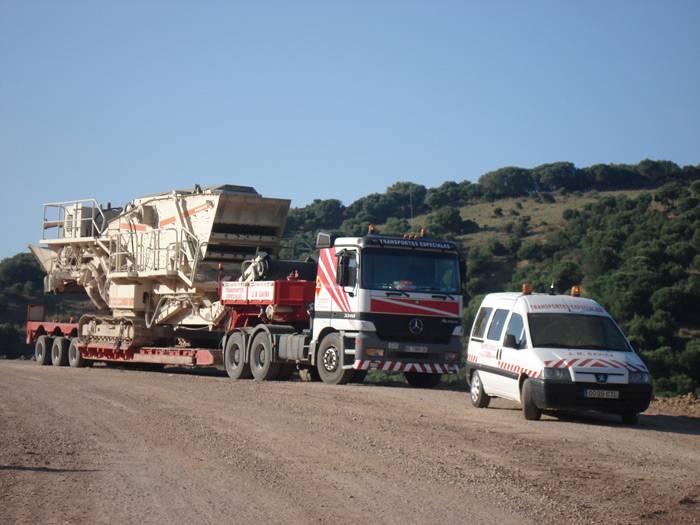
column 387, row 303
column 554, row 352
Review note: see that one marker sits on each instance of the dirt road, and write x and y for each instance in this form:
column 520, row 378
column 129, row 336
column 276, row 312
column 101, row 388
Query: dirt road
column 122, row 446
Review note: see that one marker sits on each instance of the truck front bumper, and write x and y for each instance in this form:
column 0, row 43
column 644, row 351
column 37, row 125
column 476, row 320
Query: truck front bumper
column 561, row 395
column 426, row 358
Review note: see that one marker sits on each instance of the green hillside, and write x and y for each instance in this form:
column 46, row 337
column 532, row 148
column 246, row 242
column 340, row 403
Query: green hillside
column 629, row 234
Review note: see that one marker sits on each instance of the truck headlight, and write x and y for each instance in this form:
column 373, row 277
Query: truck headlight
column 640, row 377
column 374, row 352
column 556, row 374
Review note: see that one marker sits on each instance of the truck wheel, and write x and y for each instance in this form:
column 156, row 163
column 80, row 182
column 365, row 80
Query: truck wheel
column 530, row 410
column 629, row 417
column 329, row 362
column 234, row 357
column 476, row 392
column 261, row 364
column 418, row 380
column 59, row 351
column 42, row 350
column 75, row 358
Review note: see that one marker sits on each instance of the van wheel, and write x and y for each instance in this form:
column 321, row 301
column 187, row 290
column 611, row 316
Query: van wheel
column 75, row 359
column 234, row 357
column 59, row 351
column 530, row 410
column 329, row 361
column 476, row 392
column 261, row 364
column 42, row 350
column 629, row 417
column 418, row 380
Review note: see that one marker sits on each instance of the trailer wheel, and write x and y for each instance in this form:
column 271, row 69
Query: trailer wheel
column 530, row 410
column 418, row 380
column 42, row 350
column 261, row 364
column 234, row 357
column 480, row 399
column 59, row 351
column 75, row 358
column 329, row 361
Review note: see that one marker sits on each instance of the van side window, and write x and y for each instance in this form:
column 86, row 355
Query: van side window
column 516, row 328
column 482, row 318
column 499, row 319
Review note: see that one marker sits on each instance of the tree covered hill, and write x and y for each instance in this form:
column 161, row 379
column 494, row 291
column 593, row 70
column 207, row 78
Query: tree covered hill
column 629, row 234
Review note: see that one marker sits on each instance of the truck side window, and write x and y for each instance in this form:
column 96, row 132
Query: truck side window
column 499, row 319
column 352, row 270
column 516, row 328
column 482, row 318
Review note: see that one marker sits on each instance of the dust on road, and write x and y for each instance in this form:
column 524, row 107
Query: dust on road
column 123, row 446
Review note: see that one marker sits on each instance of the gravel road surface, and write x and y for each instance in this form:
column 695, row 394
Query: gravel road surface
column 105, row 445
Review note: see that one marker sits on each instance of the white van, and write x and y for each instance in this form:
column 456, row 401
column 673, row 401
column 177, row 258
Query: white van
column 554, row 352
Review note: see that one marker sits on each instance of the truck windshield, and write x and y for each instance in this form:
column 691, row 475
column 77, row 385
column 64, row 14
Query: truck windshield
column 594, row 332
column 410, row 271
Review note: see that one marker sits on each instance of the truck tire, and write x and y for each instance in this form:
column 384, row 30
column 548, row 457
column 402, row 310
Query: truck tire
column 476, row 392
column 329, row 361
column 418, row 380
column 42, row 350
column 59, row 351
column 234, row 357
column 530, row 410
column 629, row 417
column 75, row 358
column 261, row 365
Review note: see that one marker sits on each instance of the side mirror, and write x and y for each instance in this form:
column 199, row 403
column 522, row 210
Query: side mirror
column 462, row 270
column 510, row 342
column 323, row 240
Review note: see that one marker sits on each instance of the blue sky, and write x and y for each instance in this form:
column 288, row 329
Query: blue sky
column 308, row 100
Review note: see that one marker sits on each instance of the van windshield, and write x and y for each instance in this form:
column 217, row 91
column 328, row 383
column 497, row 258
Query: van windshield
column 594, row 332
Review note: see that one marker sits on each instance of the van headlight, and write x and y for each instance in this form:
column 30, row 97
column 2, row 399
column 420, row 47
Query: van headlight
column 556, row 374
column 640, row 378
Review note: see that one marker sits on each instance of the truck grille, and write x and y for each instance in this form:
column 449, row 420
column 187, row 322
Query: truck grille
column 396, row 328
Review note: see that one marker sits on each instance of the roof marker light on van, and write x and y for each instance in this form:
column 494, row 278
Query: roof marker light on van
column 371, row 229
column 575, row 291
column 527, row 288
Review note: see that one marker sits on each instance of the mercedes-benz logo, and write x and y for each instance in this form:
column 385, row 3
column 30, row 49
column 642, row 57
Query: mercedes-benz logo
column 415, row 326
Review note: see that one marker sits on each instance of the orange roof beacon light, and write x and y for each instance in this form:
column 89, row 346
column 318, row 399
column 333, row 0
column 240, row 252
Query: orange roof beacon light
column 527, row 288
column 371, row 229
column 423, row 232
column 575, row 291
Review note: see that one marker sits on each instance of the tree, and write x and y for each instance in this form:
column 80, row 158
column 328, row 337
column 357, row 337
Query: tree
column 445, row 220
column 507, row 182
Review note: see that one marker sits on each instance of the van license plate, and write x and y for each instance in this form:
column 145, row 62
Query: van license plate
column 602, row 394
column 416, row 349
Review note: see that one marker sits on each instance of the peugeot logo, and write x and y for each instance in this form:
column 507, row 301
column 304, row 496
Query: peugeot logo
column 601, row 378
column 415, row 326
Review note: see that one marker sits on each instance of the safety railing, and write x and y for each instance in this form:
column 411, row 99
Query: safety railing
column 72, row 220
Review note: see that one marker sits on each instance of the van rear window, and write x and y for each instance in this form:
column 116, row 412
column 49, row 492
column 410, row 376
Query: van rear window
column 499, row 319
column 482, row 319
